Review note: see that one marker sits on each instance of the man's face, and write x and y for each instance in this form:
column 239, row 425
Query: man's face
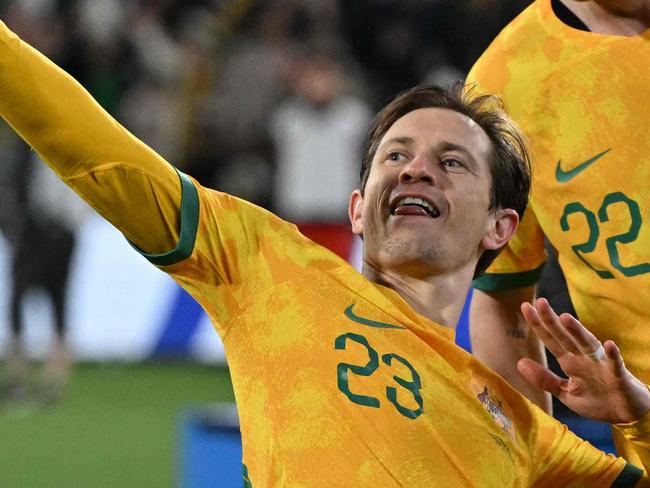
column 425, row 206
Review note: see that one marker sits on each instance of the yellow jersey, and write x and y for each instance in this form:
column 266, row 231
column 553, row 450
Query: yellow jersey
column 582, row 100
column 338, row 381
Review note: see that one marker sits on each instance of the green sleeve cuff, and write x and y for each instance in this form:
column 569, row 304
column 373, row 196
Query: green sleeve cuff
column 189, row 226
column 507, row 281
column 628, row 477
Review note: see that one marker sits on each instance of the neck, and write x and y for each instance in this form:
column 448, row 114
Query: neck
column 611, row 21
column 439, row 298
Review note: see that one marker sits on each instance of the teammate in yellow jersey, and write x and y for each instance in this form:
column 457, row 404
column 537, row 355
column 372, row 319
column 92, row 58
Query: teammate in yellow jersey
column 342, row 378
column 574, row 76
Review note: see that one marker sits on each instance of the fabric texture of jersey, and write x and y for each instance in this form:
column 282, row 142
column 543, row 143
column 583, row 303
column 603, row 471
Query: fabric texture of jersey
column 582, row 100
column 338, row 381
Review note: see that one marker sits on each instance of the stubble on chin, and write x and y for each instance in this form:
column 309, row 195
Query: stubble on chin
column 409, row 255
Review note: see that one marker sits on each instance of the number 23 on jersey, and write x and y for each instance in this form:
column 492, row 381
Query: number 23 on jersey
column 393, row 392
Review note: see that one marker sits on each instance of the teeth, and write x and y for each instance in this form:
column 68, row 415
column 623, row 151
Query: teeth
column 418, row 201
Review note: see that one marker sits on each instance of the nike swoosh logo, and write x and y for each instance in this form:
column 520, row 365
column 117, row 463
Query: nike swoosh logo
column 564, row 176
column 372, row 323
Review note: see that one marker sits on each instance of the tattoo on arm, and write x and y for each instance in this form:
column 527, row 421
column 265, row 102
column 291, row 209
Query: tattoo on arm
column 516, row 333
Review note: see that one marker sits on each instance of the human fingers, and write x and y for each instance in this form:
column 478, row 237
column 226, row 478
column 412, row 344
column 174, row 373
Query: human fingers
column 540, row 376
column 638, row 393
column 531, row 315
column 551, row 321
column 614, row 358
column 587, row 343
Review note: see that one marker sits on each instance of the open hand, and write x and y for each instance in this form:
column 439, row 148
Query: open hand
column 599, row 386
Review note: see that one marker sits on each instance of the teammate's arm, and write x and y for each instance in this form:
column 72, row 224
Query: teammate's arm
column 500, row 337
column 123, row 179
column 638, row 435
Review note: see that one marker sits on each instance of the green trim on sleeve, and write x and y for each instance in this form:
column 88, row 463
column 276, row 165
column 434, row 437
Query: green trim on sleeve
column 507, row 281
column 628, row 477
column 189, row 226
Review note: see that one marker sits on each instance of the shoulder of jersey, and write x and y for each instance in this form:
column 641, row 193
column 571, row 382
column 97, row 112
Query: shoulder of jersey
column 519, row 33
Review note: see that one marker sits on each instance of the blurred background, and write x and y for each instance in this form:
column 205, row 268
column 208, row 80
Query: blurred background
column 110, row 372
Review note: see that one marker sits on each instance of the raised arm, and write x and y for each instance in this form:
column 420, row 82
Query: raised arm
column 122, row 178
column 500, row 337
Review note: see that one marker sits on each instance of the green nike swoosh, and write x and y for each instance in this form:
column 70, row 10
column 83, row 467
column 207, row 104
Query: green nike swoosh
column 564, row 176
column 372, row 323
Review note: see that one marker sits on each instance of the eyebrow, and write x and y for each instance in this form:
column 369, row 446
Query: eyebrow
column 399, row 140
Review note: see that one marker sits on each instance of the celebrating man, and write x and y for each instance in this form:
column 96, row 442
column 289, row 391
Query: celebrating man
column 341, row 378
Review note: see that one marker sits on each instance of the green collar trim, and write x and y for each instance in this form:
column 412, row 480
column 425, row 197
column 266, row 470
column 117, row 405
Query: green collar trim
column 189, row 226
column 628, row 477
column 507, row 281
column 247, row 480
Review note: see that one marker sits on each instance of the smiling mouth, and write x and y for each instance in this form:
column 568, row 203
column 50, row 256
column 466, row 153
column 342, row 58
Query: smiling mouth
column 415, row 206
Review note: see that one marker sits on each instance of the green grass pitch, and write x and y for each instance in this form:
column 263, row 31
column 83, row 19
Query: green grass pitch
column 118, row 426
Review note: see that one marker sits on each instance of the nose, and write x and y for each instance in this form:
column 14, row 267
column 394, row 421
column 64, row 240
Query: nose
column 419, row 169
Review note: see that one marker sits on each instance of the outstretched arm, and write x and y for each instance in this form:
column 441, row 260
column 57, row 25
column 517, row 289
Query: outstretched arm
column 500, row 337
column 122, row 178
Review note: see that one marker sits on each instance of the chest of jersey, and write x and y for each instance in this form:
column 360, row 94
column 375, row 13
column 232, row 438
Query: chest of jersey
column 591, row 159
column 591, row 153
column 322, row 374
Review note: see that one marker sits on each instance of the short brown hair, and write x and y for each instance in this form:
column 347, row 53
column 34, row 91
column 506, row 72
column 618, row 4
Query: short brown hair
column 509, row 161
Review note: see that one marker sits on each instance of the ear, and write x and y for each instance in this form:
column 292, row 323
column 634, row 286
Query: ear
column 355, row 211
column 503, row 227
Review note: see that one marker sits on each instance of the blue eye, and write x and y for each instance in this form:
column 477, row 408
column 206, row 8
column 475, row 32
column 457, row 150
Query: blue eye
column 452, row 163
column 395, row 157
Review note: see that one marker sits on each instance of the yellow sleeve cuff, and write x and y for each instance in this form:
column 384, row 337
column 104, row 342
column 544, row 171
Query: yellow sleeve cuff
column 639, row 430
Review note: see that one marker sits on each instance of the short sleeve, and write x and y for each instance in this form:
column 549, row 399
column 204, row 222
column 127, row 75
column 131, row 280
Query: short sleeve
column 521, row 262
column 230, row 252
column 560, row 458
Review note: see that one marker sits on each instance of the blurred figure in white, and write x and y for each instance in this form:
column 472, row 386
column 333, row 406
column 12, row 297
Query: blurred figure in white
column 318, row 134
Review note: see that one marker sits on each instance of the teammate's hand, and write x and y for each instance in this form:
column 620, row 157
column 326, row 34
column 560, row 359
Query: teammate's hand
column 599, row 386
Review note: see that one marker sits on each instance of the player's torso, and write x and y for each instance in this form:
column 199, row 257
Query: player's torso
column 333, row 389
column 591, row 159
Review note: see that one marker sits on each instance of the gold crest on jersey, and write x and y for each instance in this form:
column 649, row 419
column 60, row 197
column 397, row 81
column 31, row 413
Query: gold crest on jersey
column 495, row 409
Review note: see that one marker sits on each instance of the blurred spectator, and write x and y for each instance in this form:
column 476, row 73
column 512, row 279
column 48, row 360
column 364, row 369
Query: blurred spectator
column 229, row 148
column 39, row 221
column 38, row 218
column 150, row 106
column 318, row 135
column 225, row 90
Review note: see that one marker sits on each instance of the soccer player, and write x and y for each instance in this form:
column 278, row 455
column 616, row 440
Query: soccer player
column 574, row 76
column 341, row 378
